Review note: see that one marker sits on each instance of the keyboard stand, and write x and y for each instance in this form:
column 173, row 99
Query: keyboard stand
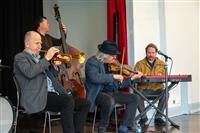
column 152, row 104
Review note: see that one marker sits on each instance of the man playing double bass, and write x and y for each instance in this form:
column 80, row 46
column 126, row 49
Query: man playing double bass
column 41, row 25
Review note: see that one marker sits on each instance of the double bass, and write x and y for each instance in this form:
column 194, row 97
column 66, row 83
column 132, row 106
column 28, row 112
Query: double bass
column 70, row 73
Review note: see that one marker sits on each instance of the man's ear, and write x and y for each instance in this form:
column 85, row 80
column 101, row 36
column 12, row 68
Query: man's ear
column 26, row 45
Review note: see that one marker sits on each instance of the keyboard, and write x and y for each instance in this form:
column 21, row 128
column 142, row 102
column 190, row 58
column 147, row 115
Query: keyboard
column 162, row 79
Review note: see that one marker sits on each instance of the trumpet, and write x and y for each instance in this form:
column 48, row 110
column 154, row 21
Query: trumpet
column 56, row 58
column 80, row 57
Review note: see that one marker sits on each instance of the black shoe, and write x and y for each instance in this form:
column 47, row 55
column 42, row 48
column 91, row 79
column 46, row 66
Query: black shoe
column 143, row 124
column 159, row 122
column 143, row 121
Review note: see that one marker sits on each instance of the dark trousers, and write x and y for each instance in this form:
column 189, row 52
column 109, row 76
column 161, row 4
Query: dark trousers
column 73, row 111
column 107, row 101
column 149, row 93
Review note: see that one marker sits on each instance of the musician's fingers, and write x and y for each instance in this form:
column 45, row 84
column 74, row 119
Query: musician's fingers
column 64, row 28
column 55, row 49
column 140, row 74
column 51, row 52
column 59, row 56
column 67, row 58
column 122, row 79
column 118, row 77
column 63, row 25
column 135, row 76
column 64, row 57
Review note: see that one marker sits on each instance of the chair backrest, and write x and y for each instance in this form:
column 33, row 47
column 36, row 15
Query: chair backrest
column 18, row 91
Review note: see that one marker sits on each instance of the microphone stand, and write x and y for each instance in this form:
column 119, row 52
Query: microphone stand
column 166, row 92
column 167, row 96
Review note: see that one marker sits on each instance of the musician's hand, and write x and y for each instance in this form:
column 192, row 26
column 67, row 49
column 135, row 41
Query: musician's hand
column 136, row 76
column 160, row 74
column 51, row 52
column 64, row 58
column 118, row 77
column 64, row 28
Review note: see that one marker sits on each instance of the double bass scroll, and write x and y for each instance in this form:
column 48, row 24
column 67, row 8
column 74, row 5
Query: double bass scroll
column 70, row 75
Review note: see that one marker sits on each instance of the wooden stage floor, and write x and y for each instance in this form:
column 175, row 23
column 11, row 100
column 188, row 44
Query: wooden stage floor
column 187, row 123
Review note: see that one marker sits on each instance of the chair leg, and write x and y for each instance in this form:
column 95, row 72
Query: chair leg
column 15, row 121
column 49, row 118
column 45, row 119
column 116, row 122
column 93, row 124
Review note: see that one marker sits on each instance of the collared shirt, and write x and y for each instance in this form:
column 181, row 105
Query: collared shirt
column 36, row 58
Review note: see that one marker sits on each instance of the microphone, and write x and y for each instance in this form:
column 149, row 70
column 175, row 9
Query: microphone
column 161, row 53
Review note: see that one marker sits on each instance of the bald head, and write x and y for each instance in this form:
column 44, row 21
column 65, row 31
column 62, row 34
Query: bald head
column 32, row 42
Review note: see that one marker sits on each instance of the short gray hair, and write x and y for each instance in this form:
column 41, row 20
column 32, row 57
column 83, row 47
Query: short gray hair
column 101, row 56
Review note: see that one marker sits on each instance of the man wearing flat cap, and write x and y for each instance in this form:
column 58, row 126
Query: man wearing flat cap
column 102, row 87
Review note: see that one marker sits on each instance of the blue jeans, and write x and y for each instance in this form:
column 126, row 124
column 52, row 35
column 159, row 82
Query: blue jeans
column 106, row 102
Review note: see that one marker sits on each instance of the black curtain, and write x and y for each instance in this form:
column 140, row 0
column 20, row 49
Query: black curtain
column 17, row 17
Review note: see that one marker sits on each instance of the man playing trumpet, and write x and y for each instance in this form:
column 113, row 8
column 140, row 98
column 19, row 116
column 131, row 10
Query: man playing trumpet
column 41, row 91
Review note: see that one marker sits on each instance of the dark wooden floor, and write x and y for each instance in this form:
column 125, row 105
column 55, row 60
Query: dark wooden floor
column 187, row 123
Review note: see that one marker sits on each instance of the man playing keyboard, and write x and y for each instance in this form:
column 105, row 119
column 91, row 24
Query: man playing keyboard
column 151, row 65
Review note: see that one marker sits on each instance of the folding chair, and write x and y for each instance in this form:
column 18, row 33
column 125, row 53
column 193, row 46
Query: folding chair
column 116, row 119
column 151, row 104
column 48, row 114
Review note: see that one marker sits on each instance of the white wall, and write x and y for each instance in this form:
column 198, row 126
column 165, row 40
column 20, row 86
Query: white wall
column 86, row 22
column 146, row 26
column 183, row 45
column 174, row 27
column 48, row 11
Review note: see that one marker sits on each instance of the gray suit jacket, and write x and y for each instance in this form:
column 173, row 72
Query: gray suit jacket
column 32, row 78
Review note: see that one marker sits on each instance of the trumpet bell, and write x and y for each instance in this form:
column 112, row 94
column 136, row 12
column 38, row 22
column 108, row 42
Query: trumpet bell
column 81, row 58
